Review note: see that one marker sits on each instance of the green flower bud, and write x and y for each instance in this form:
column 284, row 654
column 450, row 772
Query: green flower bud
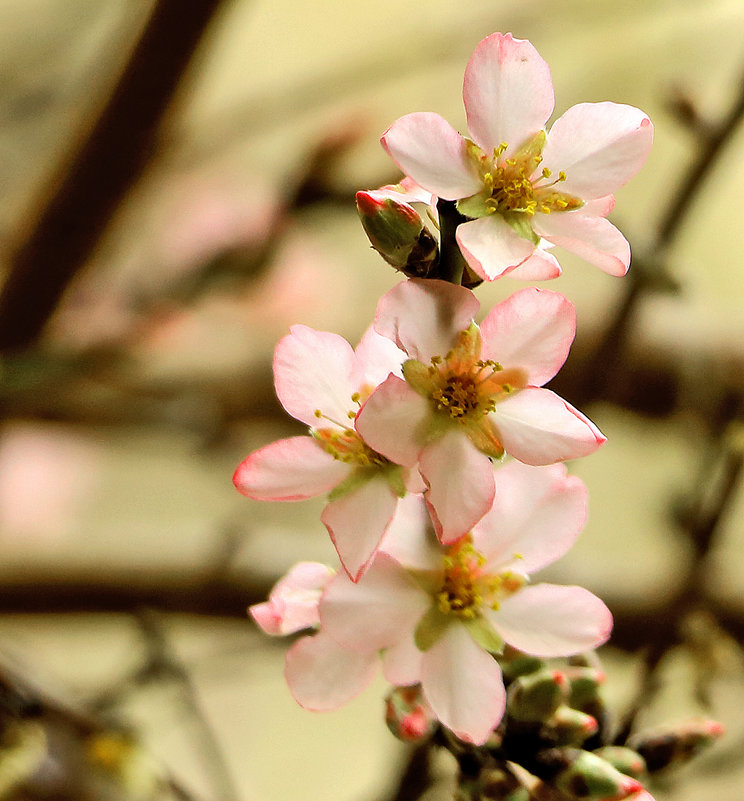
column 584, row 776
column 536, row 696
column 396, row 231
column 408, row 715
column 626, row 760
column 569, row 726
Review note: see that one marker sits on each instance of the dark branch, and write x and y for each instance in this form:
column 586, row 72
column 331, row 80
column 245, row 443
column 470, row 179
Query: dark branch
column 106, row 165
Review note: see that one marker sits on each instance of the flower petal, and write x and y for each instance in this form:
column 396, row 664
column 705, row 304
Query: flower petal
column 357, row 521
column 393, row 421
column 377, row 356
column 550, row 620
column 460, row 480
column 540, row 266
column 314, row 370
column 599, row 146
column 401, row 663
column 491, row 247
column 289, row 470
column 424, row 316
column 293, row 602
column 595, row 239
column 537, row 513
column 322, row 675
column 410, row 536
column 538, row 427
column 463, row 685
column 429, row 150
column 532, row 329
column 380, row 610
column 507, row 91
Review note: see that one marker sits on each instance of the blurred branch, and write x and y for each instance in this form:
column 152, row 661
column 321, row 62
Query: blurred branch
column 651, row 272
column 106, row 165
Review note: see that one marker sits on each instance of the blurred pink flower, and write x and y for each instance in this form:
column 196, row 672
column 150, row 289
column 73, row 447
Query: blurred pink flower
column 46, row 474
column 523, row 189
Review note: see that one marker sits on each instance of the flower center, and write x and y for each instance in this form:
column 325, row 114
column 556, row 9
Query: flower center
column 465, row 588
column 514, row 185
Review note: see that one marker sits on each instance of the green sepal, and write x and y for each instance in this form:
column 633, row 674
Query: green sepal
column 394, row 477
column 482, row 441
column 474, row 206
column 354, row 480
column 418, row 376
column 520, row 223
column 485, row 635
column 430, row 628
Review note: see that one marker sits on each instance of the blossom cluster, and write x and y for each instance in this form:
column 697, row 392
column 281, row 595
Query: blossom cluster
column 437, row 444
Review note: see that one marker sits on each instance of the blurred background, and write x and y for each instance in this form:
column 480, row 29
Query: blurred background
column 177, row 190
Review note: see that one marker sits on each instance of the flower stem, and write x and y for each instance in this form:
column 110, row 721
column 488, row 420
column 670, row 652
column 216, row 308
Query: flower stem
column 451, row 263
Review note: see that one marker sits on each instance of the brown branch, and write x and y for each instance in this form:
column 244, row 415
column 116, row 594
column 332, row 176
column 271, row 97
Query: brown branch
column 107, row 164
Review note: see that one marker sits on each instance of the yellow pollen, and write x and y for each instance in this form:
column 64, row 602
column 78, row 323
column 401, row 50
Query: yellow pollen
column 347, row 446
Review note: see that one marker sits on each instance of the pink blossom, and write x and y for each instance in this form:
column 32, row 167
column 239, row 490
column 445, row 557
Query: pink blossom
column 293, row 602
column 439, row 614
column 523, row 189
column 321, row 381
column 469, row 394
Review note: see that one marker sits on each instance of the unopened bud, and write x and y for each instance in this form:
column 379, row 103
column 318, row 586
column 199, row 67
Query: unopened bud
column 395, row 230
column 670, row 745
column 408, row 715
column 518, row 664
column 569, row 726
column 497, row 784
column 584, row 776
column 585, row 683
column 626, row 760
column 536, row 696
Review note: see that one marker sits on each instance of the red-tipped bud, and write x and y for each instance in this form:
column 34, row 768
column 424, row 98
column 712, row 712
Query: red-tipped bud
column 585, row 685
column 408, row 715
column 396, row 231
column 536, row 696
column 672, row 745
column 626, row 760
column 584, row 776
column 569, row 726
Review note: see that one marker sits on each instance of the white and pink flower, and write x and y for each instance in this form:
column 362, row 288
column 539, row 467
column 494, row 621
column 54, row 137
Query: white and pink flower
column 469, row 394
column 439, row 614
column 321, row 381
column 525, row 190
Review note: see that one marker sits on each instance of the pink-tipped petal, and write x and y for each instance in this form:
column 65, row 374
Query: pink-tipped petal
column 407, row 191
column 410, row 536
column 537, row 514
column 599, row 146
column 423, row 317
column 293, row 602
column 401, row 663
column 380, row 610
column 491, row 247
column 595, row 239
column 314, row 370
column 289, row 470
column 507, row 91
column 532, row 329
column 538, row 427
column 463, row 685
column 541, row 266
column 393, row 421
column 599, row 207
column 461, row 487
column 550, row 620
column 376, row 357
column 429, row 150
column 323, row 676
column 357, row 522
